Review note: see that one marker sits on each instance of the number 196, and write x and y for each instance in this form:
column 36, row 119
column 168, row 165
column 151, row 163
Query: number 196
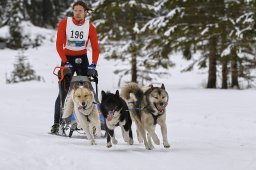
column 77, row 34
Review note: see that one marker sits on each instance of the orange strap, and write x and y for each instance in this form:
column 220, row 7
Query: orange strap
column 61, row 69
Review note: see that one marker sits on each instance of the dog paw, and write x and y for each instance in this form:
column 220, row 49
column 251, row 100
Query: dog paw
column 93, row 142
column 167, row 145
column 147, row 147
column 109, row 145
column 114, row 141
column 130, row 142
column 151, row 147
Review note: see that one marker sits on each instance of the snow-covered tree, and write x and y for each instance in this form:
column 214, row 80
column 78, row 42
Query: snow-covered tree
column 15, row 15
column 119, row 24
column 240, row 48
column 209, row 27
column 23, row 71
column 46, row 13
column 2, row 12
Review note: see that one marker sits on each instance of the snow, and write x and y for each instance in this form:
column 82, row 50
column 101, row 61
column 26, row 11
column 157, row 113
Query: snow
column 205, row 31
column 207, row 129
column 226, row 51
column 136, row 28
column 170, row 30
column 32, row 31
column 155, row 23
column 4, row 32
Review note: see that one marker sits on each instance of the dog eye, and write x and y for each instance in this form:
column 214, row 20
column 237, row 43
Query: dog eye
column 85, row 95
column 156, row 97
column 79, row 96
column 163, row 97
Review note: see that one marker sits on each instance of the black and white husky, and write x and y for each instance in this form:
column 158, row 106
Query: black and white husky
column 116, row 113
column 147, row 106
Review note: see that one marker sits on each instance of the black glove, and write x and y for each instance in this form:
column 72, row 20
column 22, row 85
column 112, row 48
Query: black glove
column 92, row 72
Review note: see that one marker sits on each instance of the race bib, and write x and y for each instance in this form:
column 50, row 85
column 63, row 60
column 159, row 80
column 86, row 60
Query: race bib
column 77, row 36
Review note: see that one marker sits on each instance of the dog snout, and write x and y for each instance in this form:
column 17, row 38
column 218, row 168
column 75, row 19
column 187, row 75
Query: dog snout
column 161, row 104
column 83, row 103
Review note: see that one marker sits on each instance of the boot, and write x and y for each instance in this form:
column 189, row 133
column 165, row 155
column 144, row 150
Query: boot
column 55, row 128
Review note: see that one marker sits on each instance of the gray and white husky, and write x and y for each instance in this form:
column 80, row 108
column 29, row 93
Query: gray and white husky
column 80, row 100
column 147, row 107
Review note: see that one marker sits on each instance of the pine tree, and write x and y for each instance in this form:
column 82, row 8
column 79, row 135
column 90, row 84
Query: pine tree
column 15, row 12
column 206, row 26
column 240, row 32
column 49, row 17
column 2, row 12
column 119, row 24
column 60, row 7
column 46, row 13
column 23, row 71
column 34, row 11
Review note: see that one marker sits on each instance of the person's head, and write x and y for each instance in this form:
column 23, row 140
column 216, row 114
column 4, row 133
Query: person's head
column 79, row 10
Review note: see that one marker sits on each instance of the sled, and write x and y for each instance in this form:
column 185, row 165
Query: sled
column 69, row 125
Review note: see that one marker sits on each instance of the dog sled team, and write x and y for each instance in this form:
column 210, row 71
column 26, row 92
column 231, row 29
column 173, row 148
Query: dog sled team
column 145, row 106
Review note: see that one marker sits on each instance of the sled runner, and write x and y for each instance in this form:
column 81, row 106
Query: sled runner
column 69, row 125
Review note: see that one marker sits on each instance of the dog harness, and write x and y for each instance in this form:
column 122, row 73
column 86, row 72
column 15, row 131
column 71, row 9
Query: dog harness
column 155, row 117
column 81, row 109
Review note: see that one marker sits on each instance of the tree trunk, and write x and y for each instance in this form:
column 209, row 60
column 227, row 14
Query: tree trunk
column 224, row 61
column 224, row 84
column 234, row 70
column 134, row 60
column 212, row 63
column 134, row 68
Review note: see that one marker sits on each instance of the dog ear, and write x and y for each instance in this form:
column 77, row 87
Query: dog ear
column 162, row 87
column 86, row 85
column 151, row 86
column 103, row 94
column 76, row 86
column 117, row 93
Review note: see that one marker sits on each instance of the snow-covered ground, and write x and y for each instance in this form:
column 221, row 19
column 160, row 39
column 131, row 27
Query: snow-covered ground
column 207, row 129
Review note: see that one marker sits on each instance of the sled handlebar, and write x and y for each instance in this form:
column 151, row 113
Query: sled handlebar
column 61, row 70
column 61, row 73
column 93, row 79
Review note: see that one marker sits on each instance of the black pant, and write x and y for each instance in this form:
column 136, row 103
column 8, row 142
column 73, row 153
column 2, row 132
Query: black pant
column 80, row 67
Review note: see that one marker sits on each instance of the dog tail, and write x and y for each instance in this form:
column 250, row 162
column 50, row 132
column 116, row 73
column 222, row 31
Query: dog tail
column 131, row 88
column 133, row 95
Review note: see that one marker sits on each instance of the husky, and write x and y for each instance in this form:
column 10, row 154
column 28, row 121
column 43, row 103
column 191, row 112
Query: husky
column 116, row 113
column 147, row 107
column 81, row 101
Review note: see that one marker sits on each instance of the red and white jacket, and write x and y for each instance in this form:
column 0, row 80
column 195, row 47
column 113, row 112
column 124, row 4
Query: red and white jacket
column 61, row 41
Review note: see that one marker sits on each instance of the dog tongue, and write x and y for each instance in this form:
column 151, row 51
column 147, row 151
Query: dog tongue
column 110, row 116
column 160, row 108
